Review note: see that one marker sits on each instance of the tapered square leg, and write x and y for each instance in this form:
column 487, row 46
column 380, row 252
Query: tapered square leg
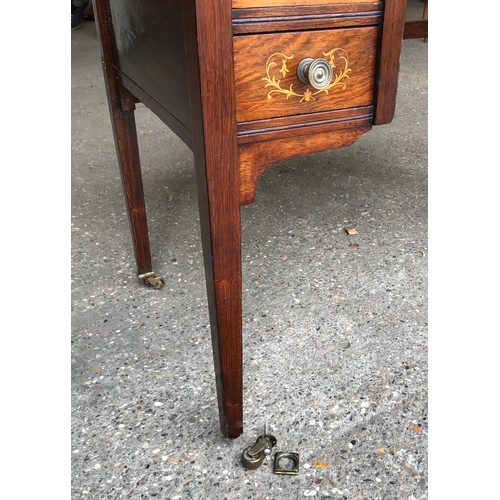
column 220, row 229
column 208, row 28
column 121, row 106
column 128, row 157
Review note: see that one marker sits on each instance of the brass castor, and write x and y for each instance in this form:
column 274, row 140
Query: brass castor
column 253, row 456
column 152, row 280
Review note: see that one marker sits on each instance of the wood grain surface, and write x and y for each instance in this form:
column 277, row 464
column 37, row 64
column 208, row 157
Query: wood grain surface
column 252, row 57
column 209, row 46
column 246, row 21
column 416, row 29
column 305, row 17
column 241, row 4
column 299, row 125
column 121, row 108
column 389, row 56
column 306, row 10
column 257, row 156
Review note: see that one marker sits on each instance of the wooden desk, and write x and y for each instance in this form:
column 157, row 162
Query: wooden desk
column 244, row 83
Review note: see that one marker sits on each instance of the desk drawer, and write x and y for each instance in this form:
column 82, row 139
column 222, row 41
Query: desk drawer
column 267, row 85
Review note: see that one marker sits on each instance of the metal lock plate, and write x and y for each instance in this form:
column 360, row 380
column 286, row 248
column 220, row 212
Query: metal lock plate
column 286, row 470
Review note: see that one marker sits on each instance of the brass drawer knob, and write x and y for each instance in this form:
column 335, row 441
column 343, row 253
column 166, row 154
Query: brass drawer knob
column 315, row 72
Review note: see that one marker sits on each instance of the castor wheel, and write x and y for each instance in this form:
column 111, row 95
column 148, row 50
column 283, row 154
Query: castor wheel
column 152, row 280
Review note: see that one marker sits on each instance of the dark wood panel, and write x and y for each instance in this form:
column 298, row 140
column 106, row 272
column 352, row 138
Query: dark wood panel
column 150, row 42
column 179, row 128
column 266, row 72
column 416, row 29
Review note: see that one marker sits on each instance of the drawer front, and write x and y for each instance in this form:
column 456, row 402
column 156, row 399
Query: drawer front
column 266, row 80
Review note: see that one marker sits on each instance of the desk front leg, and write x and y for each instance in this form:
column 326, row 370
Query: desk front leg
column 221, row 239
column 209, row 51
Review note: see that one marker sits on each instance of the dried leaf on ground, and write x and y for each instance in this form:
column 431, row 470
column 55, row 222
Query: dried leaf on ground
column 319, row 463
column 351, row 230
column 173, row 461
column 353, row 244
column 414, row 428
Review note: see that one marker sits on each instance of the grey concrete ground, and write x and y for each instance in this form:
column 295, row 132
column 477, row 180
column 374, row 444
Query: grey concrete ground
column 335, row 336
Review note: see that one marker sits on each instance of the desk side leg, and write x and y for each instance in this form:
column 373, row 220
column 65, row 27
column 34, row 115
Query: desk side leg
column 211, row 80
column 121, row 107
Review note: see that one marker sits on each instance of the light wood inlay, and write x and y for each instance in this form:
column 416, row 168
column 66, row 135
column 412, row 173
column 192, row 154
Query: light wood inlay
column 251, row 55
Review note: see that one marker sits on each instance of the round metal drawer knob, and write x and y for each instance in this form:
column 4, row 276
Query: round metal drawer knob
column 315, row 72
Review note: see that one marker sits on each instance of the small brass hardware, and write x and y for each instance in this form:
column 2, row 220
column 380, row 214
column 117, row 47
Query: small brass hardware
column 152, row 279
column 315, row 72
column 286, row 471
column 253, row 456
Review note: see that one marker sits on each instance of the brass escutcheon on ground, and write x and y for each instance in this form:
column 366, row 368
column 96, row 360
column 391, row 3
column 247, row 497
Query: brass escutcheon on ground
column 286, row 471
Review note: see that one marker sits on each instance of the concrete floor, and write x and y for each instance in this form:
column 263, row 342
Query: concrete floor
column 335, row 336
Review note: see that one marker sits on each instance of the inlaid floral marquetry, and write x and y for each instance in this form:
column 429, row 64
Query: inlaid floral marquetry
column 337, row 58
column 285, row 74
